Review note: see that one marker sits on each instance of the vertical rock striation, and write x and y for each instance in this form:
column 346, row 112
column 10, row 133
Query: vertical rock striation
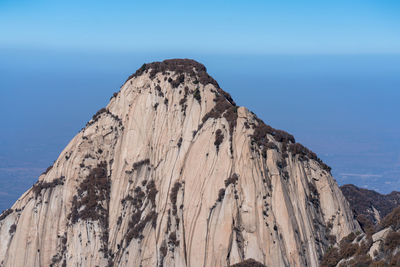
column 173, row 173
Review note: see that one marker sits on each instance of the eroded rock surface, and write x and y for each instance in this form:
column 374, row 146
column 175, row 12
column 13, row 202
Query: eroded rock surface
column 173, row 173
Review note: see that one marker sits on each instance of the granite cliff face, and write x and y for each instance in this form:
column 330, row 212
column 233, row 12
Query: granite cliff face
column 173, row 173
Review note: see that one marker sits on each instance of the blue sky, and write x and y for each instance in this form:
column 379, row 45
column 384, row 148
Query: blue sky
column 325, row 71
column 250, row 27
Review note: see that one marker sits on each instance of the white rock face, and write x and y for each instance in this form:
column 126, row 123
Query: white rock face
column 377, row 240
column 172, row 173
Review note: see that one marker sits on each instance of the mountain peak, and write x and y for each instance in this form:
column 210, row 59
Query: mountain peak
column 173, row 173
column 180, row 67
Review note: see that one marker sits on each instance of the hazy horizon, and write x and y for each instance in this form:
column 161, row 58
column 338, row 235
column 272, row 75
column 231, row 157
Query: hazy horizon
column 344, row 107
column 328, row 73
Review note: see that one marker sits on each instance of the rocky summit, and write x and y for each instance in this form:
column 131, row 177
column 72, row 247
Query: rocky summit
column 173, row 173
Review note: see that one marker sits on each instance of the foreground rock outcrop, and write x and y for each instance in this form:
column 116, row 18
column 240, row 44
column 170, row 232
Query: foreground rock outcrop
column 173, row 173
column 379, row 247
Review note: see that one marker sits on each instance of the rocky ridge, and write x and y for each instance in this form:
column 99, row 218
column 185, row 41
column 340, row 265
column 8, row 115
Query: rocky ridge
column 369, row 206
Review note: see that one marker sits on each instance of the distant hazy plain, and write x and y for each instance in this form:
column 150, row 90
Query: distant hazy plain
column 343, row 107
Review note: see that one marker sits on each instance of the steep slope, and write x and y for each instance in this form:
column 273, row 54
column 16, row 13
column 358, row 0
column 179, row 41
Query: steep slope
column 368, row 204
column 173, row 173
column 380, row 247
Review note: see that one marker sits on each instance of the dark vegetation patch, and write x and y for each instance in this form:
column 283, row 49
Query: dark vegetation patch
column 366, row 224
column 221, row 194
column 114, row 95
column 259, row 137
column 231, row 116
column 40, row 185
column 179, row 142
column 179, row 80
column 5, row 213
column 303, row 152
column 345, row 250
column 92, row 201
column 362, row 200
column 219, row 137
column 314, row 196
column 12, row 229
column 361, row 261
column 160, row 93
column 270, row 145
column 174, row 196
column 168, row 222
column 331, row 239
column 92, row 193
column 392, row 219
column 151, row 192
column 183, row 101
column 261, row 130
column 139, row 164
column 172, row 240
column 137, row 225
column 237, row 229
column 196, row 95
column 231, row 180
column 163, row 252
column 331, row 258
column 61, row 253
column 354, row 248
column 47, row 170
column 395, row 260
column 392, row 241
column 138, row 203
column 224, row 107
column 99, row 113
column 288, row 143
column 248, row 263
column 180, row 66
